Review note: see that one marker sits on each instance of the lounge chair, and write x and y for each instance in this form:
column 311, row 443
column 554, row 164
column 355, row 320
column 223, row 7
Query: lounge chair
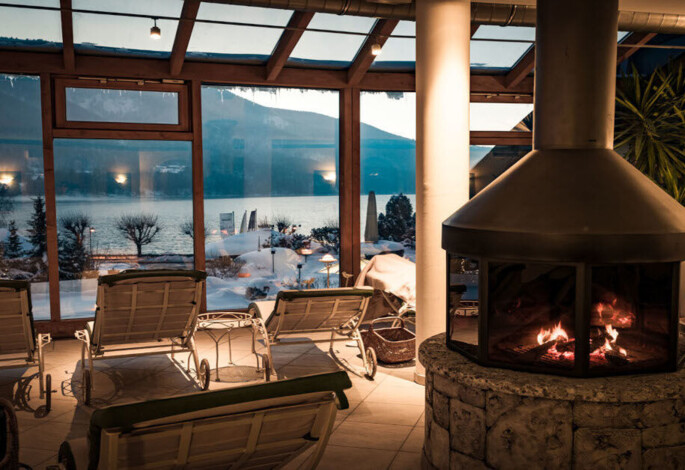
column 20, row 346
column 9, row 436
column 295, row 313
column 256, row 426
column 136, row 308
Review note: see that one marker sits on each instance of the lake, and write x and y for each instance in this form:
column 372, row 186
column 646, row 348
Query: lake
column 307, row 211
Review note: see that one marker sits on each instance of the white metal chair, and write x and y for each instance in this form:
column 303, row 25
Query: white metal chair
column 20, row 346
column 261, row 426
column 296, row 312
column 136, row 308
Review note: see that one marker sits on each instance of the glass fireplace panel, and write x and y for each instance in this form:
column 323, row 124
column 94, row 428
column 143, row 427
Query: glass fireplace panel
column 629, row 318
column 462, row 316
column 531, row 314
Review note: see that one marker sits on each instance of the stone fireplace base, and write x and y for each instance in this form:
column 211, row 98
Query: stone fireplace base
column 479, row 418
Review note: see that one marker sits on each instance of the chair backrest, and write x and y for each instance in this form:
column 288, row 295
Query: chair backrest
column 258, row 426
column 16, row 320
column 318, row 310
column 141, row 306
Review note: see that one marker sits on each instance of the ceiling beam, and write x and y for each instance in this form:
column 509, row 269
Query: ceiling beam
column 379, row 35
column 635, row 39
column 522, row 69
column 490, row 86
column 289, row 39
column 183, row 32
column 67, row 35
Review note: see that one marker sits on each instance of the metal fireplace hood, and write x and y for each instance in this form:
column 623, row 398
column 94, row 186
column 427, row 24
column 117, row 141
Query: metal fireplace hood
column 573, row 198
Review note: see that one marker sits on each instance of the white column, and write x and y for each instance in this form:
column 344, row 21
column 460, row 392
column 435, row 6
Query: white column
column 443, row 32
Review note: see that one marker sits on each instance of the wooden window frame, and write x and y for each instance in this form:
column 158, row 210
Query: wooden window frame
column 60, row 111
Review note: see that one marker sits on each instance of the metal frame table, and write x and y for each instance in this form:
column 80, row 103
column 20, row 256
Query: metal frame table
column 221, row 324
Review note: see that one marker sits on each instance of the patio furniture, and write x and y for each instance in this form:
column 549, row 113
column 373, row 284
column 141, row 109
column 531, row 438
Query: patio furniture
column 393, row 279
column 20, row 346
column 9, row 436
column 220, row 325
column 294, row 313
column 143, row 313
column 255, row 426
column 391, row 345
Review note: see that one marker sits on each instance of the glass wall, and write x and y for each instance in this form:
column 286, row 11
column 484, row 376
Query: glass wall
column 271, row 191
column 22, row 202
column 120, row 204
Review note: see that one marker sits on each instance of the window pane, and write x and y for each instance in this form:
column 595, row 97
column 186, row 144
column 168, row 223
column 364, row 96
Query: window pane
column 232, row 42
column 125, row 35
column 104, row 188
column 388, row 195
column 270, row 180
column 501, row 116
column 488, row 54
column 34, row 29
column 22, row 202
column 398, row 53
column 107, row 105
column 331, row 48
column 490, row 161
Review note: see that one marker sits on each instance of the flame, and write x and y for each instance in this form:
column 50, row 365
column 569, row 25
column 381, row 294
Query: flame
column 609, row 344
column 555, row 334
column 609, row 312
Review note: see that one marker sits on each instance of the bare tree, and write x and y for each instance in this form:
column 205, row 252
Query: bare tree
column 188, row 228
column 141, row 229
column 76, row 225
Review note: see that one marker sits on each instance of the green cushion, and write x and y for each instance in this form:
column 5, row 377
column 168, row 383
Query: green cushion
column 125, row 417
column 142, row 274
column 338, row 292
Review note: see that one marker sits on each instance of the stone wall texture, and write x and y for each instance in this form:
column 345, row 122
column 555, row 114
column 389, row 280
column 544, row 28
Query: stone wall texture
column 481, row 427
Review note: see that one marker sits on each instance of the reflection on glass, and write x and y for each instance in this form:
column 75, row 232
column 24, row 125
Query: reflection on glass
column 462, row 298
column 32, row 29
column 23, row 241
column 398, row 53
column 107, row 105
column 271, row 191
column 531, row 314
column 232, row 41
column 388, row 174
column 125, row 35
column 120, row 205
column 331, row 48
column 501, row 117
column 489, row 161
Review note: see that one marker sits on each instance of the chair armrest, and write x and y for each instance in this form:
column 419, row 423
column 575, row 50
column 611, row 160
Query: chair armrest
column 262, row 309
column 73, row 454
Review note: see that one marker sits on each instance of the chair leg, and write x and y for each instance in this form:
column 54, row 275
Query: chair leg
column 330, row 347
column 41, row 367
column 196, row 358
column 91, row 367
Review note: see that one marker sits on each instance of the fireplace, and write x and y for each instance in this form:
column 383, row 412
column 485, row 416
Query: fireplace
column 573, row 255
column 566, row 318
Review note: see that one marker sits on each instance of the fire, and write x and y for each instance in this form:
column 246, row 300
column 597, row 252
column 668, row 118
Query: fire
column 555, row 334
column 610, row 313
column 609, row 343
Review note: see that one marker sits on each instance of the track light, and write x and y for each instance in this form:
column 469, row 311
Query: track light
column 155, row 32
column 375, row 49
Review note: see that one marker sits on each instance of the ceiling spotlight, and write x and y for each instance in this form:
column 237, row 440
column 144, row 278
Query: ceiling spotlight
column 155, row 32
column 375, row 49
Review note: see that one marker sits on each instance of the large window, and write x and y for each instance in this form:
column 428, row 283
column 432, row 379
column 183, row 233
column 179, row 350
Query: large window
column 22, row 203
column 388, row 174
column 271, row 191
column 121, row 204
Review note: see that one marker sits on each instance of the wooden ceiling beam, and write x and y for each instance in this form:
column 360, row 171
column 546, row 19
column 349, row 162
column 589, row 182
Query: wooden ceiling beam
column 379, row 34
column 183, row 33
column 474, row 28
column 491, row 86
column 636, row 39
column 67, row 35
column 286, row 44
column 522, row 69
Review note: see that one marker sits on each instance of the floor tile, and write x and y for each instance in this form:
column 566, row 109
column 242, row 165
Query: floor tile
column 371, row 436
column 406, row 461
column 357, row 458
column 387, row 413
column 414, row 442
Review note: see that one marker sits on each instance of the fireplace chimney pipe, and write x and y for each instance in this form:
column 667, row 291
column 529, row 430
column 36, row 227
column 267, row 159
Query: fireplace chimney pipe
column 575, row 74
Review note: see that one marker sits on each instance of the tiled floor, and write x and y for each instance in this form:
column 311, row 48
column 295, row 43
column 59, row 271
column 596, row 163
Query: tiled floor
column 382, row 429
